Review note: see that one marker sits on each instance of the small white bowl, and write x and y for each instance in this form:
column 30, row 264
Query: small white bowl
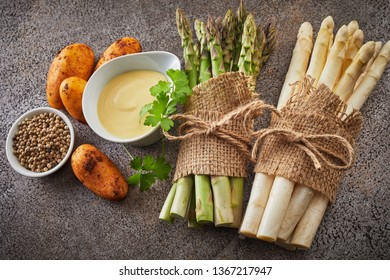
column 14, row 129
column 156, row 61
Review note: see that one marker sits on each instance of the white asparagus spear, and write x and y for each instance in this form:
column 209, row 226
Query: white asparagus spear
column 300, row 199
column 334, row 62
column 257, row 201
column 367, row 85
column 352, row 27
column 304, row 234
column 378, row 47
column 275, row 209
column 320, row 49
column 263, row 182
column 330, row 44
column 299, row 62
column 286, row 244
column 308, row 225
column 345, row 85
column 353, row 45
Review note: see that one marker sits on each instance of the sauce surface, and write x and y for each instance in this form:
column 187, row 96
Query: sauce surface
column 121, row 100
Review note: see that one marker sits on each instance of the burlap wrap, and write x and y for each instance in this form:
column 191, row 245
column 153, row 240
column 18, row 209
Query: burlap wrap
column 207, row 153
column 316, row 117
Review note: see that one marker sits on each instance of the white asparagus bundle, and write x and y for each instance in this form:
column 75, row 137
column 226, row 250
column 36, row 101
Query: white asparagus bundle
column 305, row 206
column 307, row 227
column 262, row 184
column 302, row 196
column 277, row 211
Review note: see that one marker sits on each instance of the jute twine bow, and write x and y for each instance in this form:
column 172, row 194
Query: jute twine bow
column 314, row 151
column 194, row 126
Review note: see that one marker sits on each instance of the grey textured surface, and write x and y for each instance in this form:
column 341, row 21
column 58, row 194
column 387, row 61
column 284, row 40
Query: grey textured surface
column 57, row 218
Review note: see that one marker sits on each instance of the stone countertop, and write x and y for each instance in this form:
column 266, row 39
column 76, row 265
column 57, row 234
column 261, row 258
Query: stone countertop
column 57, row 218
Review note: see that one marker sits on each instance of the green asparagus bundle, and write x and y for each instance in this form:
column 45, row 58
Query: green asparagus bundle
column 232, row 43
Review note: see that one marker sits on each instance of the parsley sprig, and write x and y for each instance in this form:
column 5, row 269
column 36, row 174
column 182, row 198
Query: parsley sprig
column 147, row 170
column 168, row 96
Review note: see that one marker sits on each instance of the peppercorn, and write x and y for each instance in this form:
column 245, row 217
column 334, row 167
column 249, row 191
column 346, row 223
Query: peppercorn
column 39, row 144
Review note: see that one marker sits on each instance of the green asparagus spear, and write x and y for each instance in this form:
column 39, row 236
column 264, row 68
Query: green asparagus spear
column 259, row 47
column 197, row 56
column 228, row 39
column 237, row 186
column 190, row 61
column 181, row 201
column 269, row 45
column 205, row 61
column 214, row 45
column 204, row 199
column 223, row 210
column 165, row 214
column 192, row 222
column 241, row 15
column 248, row 46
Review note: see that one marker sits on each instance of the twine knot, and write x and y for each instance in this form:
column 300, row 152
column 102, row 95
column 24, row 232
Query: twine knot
column 307, row 143
column 192, row 125
column 212, row 128
column 295, row 137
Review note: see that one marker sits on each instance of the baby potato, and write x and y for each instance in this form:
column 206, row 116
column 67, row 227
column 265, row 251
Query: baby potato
column 71, row 93
column 98, row 173
column 125, row 45
column 76, row 60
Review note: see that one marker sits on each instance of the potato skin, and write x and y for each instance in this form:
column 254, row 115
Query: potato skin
column 125, row 45
column 98, row 173
column 71, row 92
column 75, row 60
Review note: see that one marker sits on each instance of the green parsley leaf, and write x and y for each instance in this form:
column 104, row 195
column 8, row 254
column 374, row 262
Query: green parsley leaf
column 148, row 171
column 147, row 180
column 149, row 163
column 159, row 106
column 168, row 96
column 171, row 108
column 178, row 77
column 136, row 163
column 135, row 179
column 152, row 120
column 163, row 170
column 144, row 110
column 162, row 86
column 166, row 124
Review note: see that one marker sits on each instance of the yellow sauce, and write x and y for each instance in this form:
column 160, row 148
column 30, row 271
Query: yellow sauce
column 121, row 100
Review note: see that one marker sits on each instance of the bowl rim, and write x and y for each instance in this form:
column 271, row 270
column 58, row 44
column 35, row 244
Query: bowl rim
column 14, row 162
column 108, row 136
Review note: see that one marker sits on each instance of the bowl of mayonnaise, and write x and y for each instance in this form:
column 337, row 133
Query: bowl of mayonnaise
column 116, row 92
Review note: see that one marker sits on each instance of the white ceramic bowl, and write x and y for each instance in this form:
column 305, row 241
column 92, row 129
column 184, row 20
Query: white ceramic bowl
column 155, row 61
column 14, row 129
